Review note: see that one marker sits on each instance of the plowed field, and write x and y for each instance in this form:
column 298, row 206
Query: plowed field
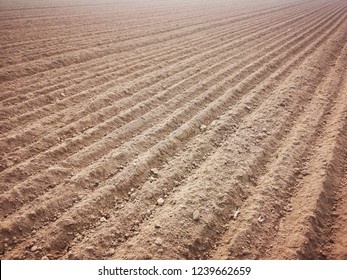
column 173, row 129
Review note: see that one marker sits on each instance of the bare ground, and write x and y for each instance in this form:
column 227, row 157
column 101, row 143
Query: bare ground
column 173, row 130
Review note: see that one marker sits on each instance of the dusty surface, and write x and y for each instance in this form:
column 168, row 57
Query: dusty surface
column 173, row 129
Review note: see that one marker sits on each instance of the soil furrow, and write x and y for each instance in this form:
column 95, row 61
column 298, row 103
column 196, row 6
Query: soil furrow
column 191, row 129
column 100, row 171
column 328, row 34
column 40, row 163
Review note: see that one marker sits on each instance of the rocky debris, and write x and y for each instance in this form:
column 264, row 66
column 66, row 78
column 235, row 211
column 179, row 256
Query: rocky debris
column 45, row 258
column 261, row 219
column 90, row 249
column 72, row 256
column 68, row 224
column 157, row 225
column 196, row 215
column 155, row 171
column 234, row 214
column 305, row 173
column 34, row 248
column 160, row 201
column 203, row 127
column 152, row 179
column 158, row 241
column 103, row 219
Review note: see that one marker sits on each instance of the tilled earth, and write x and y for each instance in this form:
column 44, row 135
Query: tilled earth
column 173, row 129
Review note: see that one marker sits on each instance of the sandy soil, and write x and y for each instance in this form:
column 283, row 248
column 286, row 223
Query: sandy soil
column 173, row 129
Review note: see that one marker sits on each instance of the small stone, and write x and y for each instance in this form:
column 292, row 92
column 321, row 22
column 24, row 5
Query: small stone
column 160, row 201
column 9, row 164
column 151, row 179
column 72, row 256
column 261, row 219
column 45, row 258
column 34, row 248
column 111, row 252
column 158, row 241
column 157, row 225
column 203, row 127
column 234, row 214
column 103, row 219
column 196, row 215
column 155, row 171
column 90, row 248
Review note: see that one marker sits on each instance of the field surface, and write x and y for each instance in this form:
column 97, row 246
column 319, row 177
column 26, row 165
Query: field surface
column 173, row 129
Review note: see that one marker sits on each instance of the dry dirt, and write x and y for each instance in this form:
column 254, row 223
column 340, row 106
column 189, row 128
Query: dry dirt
column 173, row 129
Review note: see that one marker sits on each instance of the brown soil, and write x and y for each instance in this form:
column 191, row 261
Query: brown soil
column 173, row 129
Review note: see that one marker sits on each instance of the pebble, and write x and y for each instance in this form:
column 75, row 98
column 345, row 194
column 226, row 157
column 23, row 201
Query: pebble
column 235, row 213
column 160, row 201
column 151, row 179
column 261, row 219
column 34, row 248
column 155, row 171
column 90, row 248
column 158, row 241
column 9, row 164
column 296, row 170
column 203, row 127
column 196, row 215
column 45, row 258
column 103, row 219
column 157, row 225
